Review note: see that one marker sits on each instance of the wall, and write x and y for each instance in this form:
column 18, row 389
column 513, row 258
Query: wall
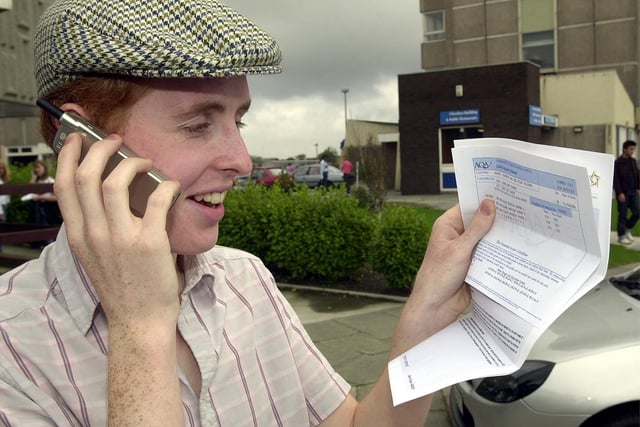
column 19, row 117
column 591, row 100
column 590, row 138
column 363, row 132
column 502, row 93
column 591, row 35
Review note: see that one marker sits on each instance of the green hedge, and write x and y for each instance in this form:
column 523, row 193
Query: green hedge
column 399, row 245
column 18, row 211
column 323, row 234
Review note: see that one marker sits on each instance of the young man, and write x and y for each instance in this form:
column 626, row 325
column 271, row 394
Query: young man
column 144, row 321
column 626, row 184
column 324, row 170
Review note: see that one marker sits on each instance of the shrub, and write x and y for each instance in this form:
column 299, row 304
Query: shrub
column 312, row 235
column 363, row 196
column 285, row 181
column 17, row 210
column 248, row 218
column 303, row 235
column 399, row 244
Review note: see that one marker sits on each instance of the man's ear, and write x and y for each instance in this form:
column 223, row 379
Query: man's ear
column 75, row 109
column 71, row 108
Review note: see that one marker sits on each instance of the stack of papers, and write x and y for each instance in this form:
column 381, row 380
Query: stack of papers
column 549, row 245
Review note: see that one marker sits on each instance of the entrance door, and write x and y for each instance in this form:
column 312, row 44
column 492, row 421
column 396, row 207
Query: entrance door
column 446, row 136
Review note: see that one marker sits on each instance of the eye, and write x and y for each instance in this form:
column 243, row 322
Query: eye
column 197, row 128
column 241, row 125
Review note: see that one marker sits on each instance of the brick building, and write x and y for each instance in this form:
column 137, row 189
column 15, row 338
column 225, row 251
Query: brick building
column 556, row 72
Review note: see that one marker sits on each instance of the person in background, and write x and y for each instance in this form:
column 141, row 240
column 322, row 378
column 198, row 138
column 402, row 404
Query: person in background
column 145, row 321
column 289, row 169
column 626, row 184
column 5, row 176
column 324, row 171
column 40, row 175
column 44, row 207
column 347, row 173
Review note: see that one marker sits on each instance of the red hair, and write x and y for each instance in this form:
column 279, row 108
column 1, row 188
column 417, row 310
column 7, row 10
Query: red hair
column 105, row 99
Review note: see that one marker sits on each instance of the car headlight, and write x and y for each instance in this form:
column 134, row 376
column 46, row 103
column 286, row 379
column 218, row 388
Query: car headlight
column 523, row 382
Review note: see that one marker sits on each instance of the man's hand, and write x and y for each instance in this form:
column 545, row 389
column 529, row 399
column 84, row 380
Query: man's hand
column 127, row 258
column 440, row 295
column 133, row 271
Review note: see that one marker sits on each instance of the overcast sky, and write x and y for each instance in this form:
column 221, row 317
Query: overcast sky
column 328, row 45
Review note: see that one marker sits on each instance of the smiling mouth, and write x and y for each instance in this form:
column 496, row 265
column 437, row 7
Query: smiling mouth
column 210, row 199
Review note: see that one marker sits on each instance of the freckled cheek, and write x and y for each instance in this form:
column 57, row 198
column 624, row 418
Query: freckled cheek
column 173, row 163
column 184, row 172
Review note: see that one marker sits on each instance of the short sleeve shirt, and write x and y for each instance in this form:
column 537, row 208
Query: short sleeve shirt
column 258, row 365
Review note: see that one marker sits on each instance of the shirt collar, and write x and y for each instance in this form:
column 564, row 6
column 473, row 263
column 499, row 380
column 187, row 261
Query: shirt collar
column 80, row 296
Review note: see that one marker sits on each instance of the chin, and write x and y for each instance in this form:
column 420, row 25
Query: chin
column 194, row 243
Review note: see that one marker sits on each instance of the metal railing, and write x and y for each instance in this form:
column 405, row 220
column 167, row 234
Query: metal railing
column 14, row 233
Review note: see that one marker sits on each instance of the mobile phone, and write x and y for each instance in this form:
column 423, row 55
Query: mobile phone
column 141, row 186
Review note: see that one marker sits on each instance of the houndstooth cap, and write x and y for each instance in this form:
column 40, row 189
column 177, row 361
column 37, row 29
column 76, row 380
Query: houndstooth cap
column 148, row 38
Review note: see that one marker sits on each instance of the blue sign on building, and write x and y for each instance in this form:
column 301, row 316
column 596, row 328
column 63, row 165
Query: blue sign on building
column 550, row 121
column 535, row 115
column 459, row 117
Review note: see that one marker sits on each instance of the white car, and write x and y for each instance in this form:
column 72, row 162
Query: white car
column 584, row 371
column 310, row 175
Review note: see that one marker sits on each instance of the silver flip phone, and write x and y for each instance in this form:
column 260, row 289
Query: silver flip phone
column 141, row 186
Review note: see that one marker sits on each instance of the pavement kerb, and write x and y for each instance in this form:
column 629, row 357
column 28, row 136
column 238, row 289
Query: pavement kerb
column 394, row 298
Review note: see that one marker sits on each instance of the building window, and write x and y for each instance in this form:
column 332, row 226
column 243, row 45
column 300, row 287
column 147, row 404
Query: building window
column 434, row 26
column 539, row 47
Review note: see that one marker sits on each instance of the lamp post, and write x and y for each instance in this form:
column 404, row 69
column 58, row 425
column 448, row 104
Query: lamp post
column 345, row 91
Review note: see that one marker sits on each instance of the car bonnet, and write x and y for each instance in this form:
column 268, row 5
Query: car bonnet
column 603, row 319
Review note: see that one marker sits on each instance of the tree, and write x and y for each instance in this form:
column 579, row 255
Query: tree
column 257, row 160
column 372, row 170
column 331, row 156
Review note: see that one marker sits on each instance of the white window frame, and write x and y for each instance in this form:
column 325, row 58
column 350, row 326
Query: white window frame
column 430, row 34
column 543, row 43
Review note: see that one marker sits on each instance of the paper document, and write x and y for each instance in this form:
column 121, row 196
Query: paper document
column 548, row 246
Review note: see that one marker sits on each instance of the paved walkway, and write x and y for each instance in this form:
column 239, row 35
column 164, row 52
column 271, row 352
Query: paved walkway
column 354, row 333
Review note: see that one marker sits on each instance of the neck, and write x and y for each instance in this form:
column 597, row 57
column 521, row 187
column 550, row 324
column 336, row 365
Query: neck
column 179, row 259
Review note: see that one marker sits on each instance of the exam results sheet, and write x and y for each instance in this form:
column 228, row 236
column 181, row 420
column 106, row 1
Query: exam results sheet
column 548, row 246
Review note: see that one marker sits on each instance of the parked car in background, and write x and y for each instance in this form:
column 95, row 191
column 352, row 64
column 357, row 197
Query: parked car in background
column 259, row 175
column 584, row 371
column 265, row 176
column 240, row 181
column 310, row 175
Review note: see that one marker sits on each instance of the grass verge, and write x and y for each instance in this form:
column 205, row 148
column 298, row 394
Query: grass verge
column 618, row 255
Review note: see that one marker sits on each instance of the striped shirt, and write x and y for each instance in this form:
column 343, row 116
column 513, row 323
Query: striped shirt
column 258, row 365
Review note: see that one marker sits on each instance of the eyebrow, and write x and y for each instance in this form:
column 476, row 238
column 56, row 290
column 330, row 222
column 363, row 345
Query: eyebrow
column 200, row 107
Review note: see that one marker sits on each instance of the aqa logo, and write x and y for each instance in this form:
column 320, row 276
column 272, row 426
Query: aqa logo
column 484, row 164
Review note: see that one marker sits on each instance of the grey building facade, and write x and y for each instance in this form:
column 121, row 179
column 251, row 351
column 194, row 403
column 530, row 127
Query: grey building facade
column 20, row 138
column 585, row 53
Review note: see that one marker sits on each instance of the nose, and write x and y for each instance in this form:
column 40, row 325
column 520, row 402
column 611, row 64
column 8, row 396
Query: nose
column 234, row 156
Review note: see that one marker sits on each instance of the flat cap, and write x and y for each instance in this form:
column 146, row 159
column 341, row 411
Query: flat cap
column 148, row 38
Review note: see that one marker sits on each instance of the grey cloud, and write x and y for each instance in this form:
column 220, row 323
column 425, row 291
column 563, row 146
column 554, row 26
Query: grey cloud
column 331, row 44
column 327, row 46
